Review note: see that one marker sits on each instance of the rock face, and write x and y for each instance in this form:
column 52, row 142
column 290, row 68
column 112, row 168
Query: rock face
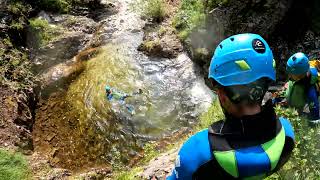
column 75, row 35
column 57, row 61
column 162, row 43
column 161, row 166
column 277, row 21
column 4, row 18
column 16, row 119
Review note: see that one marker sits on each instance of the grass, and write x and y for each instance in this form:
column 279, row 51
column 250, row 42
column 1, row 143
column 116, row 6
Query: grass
column 13, row 166
column 151, row 45
column 304, row 162
column 192, row 15
column 151, row 9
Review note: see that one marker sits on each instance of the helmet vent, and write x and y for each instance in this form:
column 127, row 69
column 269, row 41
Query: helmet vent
column 220, row 46
column 294, row 58
column 232, row 39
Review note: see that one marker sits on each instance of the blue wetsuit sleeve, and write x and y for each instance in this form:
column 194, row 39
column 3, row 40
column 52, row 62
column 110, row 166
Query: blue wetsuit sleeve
column 313, row 102
column 194, row 152
column 287, row 127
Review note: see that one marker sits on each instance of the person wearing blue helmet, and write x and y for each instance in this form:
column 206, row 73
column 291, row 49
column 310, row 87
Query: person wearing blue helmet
column 112, row 93
column 303, row 85
column 251, row 142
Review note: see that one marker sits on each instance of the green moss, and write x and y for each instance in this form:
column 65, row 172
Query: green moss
column 151, row 45
column 13, row 166
column 213, row 114
column 128, row 175
column 183, row 34
column 44, row 32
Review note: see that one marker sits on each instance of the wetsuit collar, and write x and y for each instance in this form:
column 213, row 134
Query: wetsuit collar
column 261, row 124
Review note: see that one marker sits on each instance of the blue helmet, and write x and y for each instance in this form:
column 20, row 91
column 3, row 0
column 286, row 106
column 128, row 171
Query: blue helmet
column 298, row 64
column 242, row 59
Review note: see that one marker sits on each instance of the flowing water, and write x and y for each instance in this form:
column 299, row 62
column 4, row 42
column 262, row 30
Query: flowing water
column 80, row 126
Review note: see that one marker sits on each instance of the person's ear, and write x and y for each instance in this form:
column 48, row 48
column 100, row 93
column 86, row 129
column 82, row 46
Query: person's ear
column 221, row 95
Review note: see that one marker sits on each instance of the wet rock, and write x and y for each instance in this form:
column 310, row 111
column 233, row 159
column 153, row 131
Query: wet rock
column 56, row 174
column 201, row 55
column 16, row 119
column 50, row 136
column 135, row 30
column 76, row 33
column 160, row 166
column 45, row 16
column 59, row 51
column 76, row 23
column 54, row 161
column 163, row 43
column 98, row 173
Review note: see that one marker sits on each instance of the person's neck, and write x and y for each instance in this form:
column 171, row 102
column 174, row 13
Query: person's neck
column 255, row 124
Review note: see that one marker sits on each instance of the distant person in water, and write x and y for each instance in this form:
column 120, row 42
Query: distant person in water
column 251, row 142
column 303, row 86
column 115, row 94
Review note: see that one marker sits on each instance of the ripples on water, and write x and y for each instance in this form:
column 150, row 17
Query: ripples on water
column 174, row 95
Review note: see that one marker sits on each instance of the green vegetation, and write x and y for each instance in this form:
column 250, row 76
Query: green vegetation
column 128, row 175
column 55, row 5
column 19, row 12
column 15, row 68
column 151, row 46
column 151, row 9
column 304, row 162
column 63, row 6
column 213, row 114
column 43, row 31
column 13, row 166
column 192, row 15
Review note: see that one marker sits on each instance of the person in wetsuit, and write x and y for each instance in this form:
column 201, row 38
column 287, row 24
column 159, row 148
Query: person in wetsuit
column 112, row 93
column 251, row 142
column 303, row 86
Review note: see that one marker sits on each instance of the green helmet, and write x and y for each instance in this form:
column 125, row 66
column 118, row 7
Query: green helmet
column 107, row 88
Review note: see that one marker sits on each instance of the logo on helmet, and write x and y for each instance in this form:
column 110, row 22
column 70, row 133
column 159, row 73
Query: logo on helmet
column 258, row 46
